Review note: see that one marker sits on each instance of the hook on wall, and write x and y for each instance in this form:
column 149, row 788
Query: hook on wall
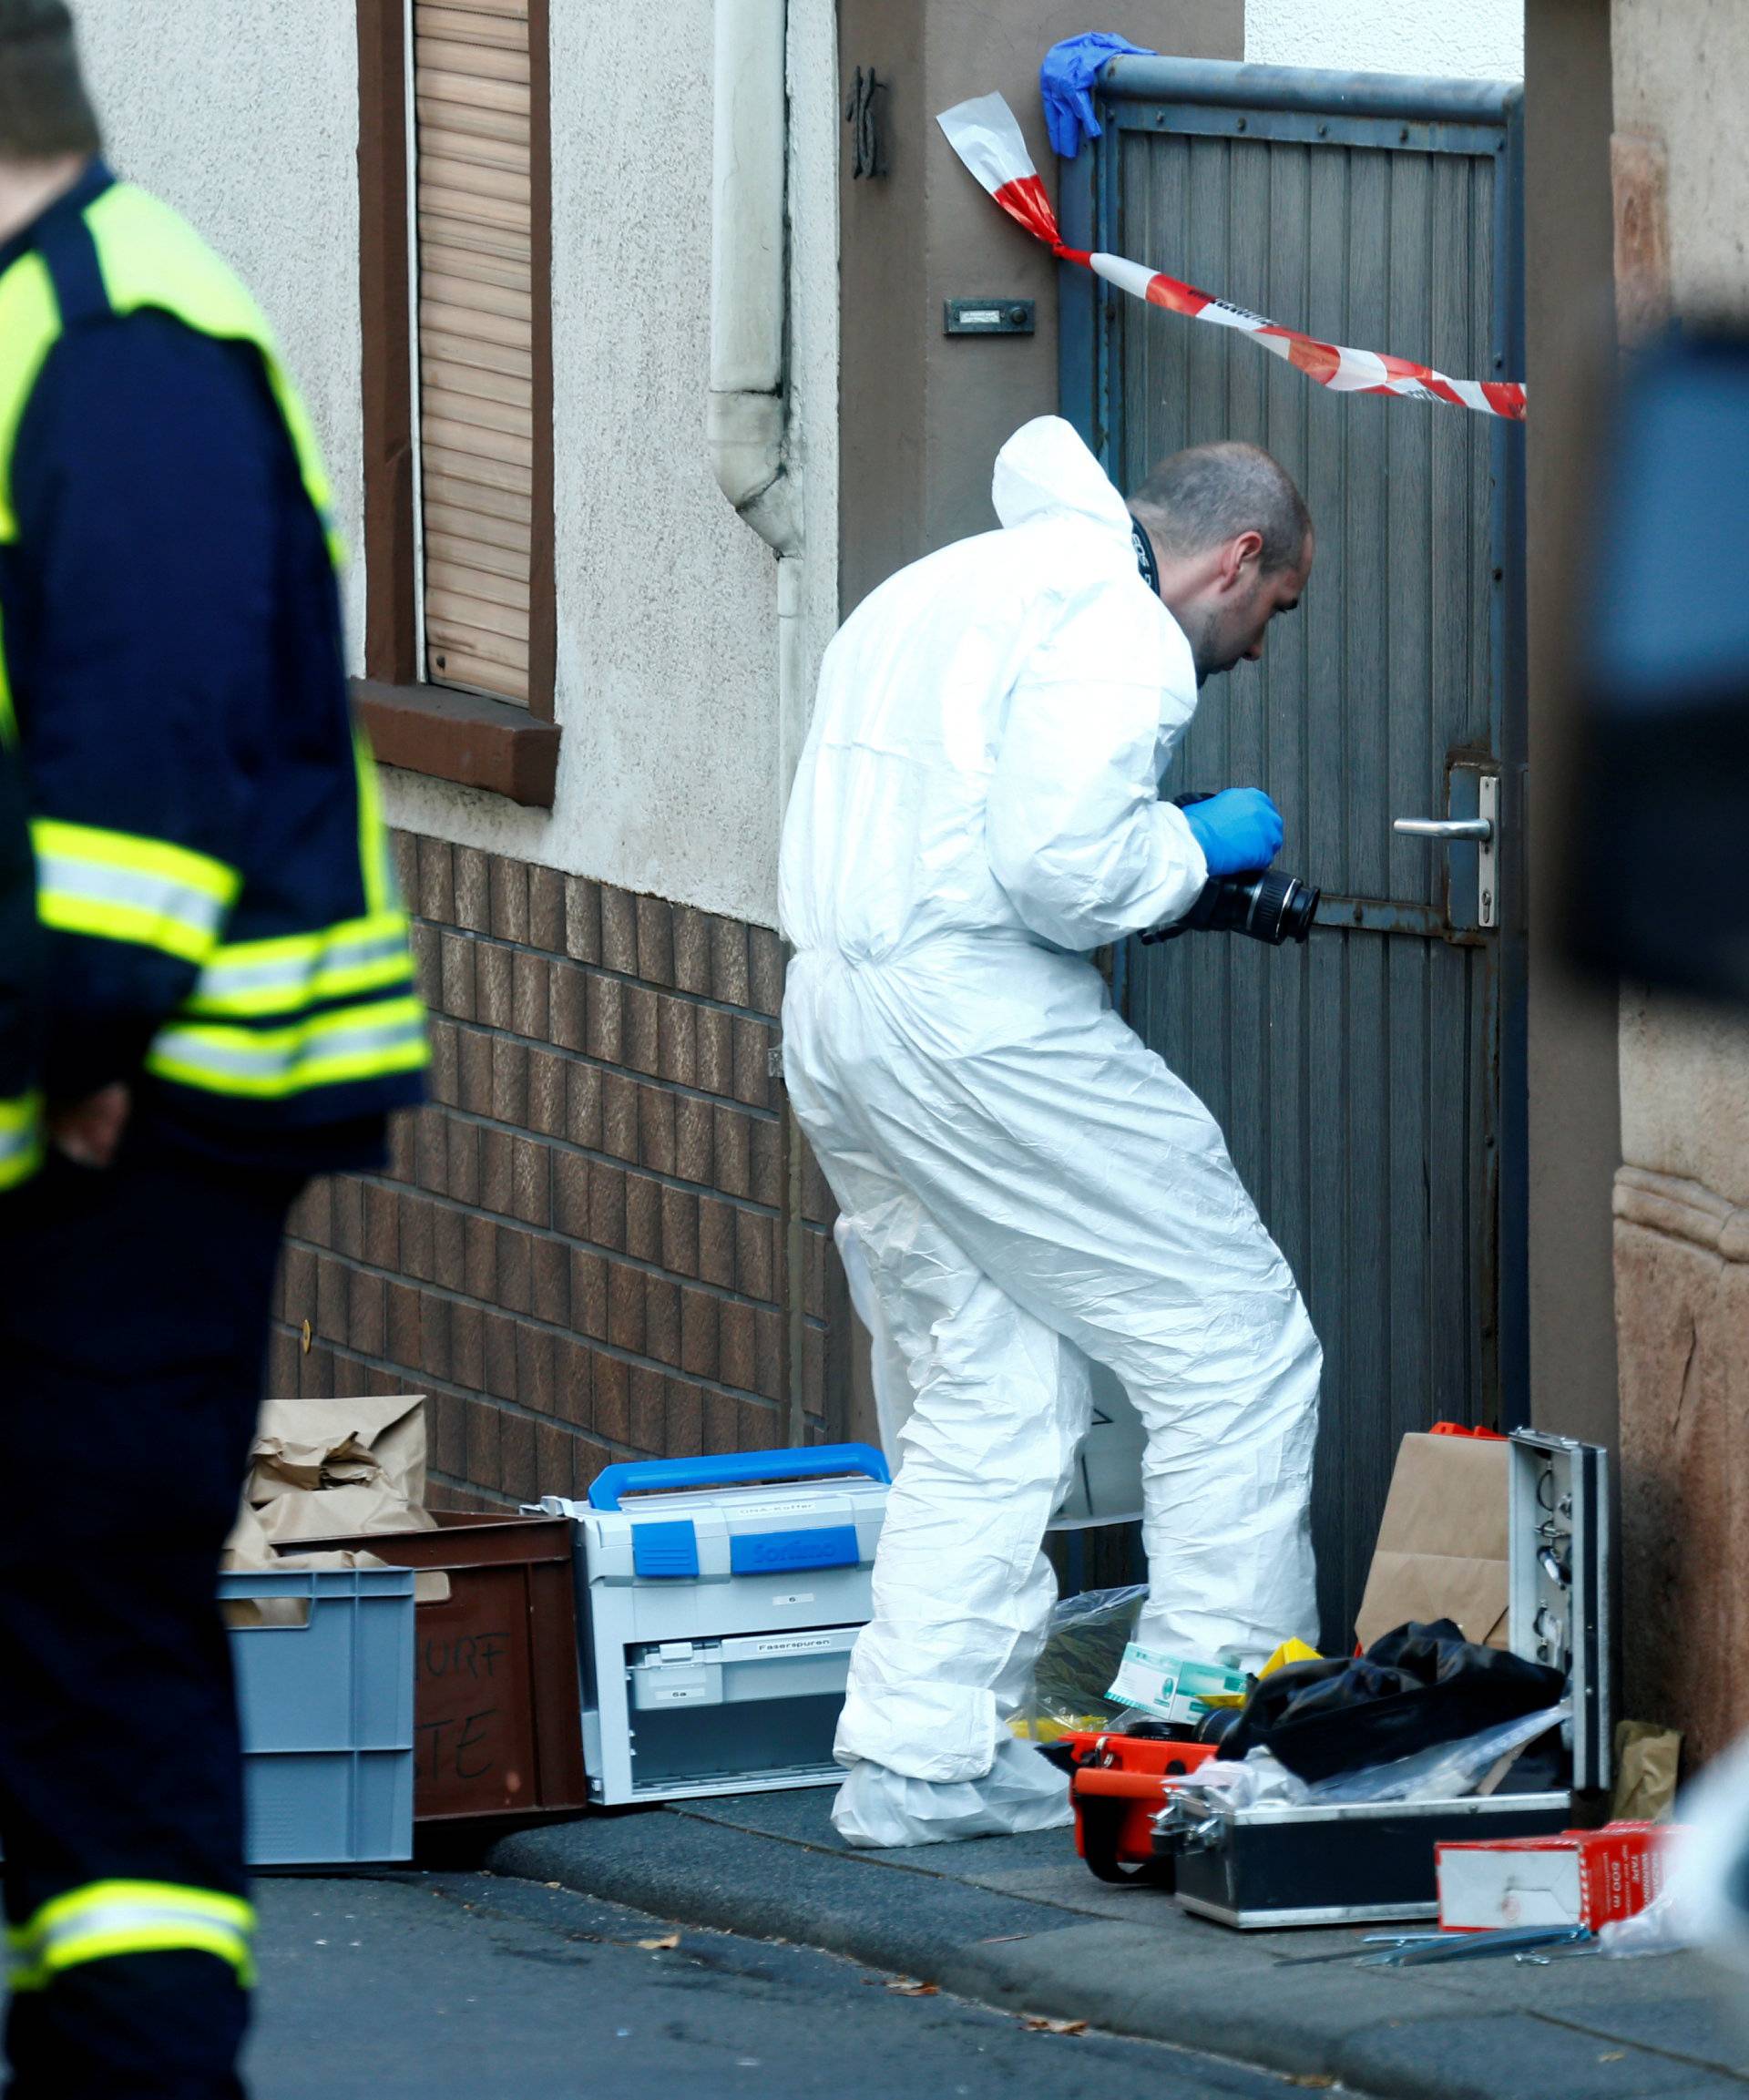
column 863, row 111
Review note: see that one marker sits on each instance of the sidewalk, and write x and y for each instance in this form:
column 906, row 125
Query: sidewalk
column 458, row 1986
column 1018, row 1923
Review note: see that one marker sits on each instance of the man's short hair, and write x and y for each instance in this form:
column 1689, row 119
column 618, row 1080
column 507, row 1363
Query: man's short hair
column 1210, row 494
column 44, row 112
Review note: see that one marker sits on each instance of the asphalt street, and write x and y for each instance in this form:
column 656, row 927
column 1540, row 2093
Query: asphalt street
column 477, row 1987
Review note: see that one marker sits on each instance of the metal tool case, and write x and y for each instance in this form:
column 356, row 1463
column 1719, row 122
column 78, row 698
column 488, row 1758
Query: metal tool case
column 717, row 1607
column 1272, row 1866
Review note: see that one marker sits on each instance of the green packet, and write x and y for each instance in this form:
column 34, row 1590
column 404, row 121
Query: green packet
column 1172, row 1687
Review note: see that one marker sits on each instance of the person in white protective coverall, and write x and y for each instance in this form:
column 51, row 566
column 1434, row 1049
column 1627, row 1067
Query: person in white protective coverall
column 976, row 810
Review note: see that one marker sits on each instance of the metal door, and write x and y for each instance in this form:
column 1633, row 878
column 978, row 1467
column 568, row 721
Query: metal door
column 1369, row 1083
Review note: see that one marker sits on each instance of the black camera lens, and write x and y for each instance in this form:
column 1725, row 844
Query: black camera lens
column 1281, row 907
column 1269, row 906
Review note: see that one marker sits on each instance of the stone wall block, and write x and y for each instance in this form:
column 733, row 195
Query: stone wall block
column 472, row 876
column 509, row 888
column 434, row 895
column 619, row 931
column 546, row 910
column 1682, row 1323
column 582, row 918
column 655, row 925
column 730, row 978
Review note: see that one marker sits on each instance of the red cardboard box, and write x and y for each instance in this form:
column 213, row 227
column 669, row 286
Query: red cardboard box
column 1580, row 1878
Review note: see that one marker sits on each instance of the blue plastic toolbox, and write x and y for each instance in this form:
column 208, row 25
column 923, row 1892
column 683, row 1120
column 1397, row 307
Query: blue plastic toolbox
column 719, row 1599
column 327, row 1714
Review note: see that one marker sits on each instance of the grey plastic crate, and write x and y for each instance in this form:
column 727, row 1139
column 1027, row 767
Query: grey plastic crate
column 327, row 1716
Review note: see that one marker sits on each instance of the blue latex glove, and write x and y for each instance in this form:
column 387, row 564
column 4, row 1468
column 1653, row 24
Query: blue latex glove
column 1239, row 830
column 1065, row 80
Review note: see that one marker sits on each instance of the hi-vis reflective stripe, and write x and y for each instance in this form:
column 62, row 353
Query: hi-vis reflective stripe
column 360, row 1042
column 286, row 976
column 376, row 859
column 111, row 1918
column 30, row 323
column 21, row 1138
column 8, row 716
column 115, row 887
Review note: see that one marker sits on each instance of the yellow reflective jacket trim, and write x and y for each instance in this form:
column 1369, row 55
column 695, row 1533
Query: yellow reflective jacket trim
column 115, row 885
column 254, row 979
column 30, row 325
column 376, row 859
column 360, row 1042
column 105, row 1919
column 8, row 719
column 21, row 1138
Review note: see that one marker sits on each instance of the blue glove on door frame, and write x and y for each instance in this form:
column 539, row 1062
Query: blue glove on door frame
column 1239, row 830
column 1068, row 74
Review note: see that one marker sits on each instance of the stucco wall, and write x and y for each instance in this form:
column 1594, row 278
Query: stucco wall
column 1680, row 69
column 667, row 603
column 1483, row 39
column 252, row 132
column 1681, row 1201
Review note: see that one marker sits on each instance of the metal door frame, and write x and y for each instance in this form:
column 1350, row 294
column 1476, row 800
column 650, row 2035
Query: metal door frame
column 1394, row 112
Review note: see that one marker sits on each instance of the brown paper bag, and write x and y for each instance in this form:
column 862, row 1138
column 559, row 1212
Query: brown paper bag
column 339, row 1513
column 1648, row 1761
column 317, row 1448
column 330, row 1469
column 1442, row 1544
column 327, row 1469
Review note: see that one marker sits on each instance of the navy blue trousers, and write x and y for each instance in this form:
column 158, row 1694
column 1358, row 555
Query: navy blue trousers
column 133, row 1324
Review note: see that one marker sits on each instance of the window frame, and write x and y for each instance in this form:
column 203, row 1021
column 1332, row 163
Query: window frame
column 438, row 730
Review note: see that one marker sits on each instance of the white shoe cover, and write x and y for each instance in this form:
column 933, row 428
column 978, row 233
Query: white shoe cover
column 1022, row 1791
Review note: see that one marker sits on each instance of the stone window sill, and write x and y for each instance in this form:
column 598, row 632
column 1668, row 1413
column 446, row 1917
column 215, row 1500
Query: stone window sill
column 462, row 736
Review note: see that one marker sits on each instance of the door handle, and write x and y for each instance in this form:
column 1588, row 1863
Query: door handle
column 1481, row 831
column 1480, row 828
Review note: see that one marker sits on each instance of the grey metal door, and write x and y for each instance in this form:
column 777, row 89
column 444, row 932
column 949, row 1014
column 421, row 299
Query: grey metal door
column 1367, row 1084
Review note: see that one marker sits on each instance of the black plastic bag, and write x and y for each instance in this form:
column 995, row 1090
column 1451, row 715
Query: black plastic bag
column 1415, row 1686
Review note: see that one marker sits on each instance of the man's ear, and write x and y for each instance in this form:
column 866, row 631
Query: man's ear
column 1238, row 556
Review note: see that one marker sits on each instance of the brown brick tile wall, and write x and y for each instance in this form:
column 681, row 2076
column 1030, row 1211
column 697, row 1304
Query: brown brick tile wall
column 578, row 1249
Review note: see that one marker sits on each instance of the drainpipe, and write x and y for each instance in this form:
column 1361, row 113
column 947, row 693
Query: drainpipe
column 747, row 427
column 746, row 411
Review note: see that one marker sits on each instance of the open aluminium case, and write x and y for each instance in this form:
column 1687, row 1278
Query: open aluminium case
column 1276, row 1865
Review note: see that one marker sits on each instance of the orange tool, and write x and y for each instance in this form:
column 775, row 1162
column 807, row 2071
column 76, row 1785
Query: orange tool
column 1119, row 1784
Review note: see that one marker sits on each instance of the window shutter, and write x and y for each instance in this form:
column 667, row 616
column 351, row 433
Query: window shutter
column 473, row 164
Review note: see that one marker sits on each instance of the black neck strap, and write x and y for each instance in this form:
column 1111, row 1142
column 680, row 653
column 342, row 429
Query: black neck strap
column 1145, row 561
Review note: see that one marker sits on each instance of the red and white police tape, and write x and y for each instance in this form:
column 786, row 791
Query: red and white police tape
column 984, row 133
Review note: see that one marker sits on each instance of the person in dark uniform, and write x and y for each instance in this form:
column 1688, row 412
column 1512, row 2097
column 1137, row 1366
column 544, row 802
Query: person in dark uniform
column 21, row 987
column 229, row 1009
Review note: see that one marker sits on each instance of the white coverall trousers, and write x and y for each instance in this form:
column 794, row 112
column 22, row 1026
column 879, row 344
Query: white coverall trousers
column 1026, row 1205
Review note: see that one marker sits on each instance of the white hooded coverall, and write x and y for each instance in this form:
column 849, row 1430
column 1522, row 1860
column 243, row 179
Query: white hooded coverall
column 976, row 809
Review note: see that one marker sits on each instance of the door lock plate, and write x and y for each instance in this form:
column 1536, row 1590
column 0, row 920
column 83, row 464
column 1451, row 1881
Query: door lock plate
column 1487, row 852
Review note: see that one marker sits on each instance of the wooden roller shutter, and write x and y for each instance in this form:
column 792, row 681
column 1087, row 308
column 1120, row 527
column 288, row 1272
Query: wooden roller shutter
column 484, row 453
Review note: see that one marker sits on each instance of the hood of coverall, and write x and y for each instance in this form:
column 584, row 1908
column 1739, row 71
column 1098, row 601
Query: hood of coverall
column 1046, row 471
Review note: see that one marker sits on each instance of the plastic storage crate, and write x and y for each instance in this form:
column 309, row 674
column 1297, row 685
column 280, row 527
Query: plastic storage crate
column 327, row 1716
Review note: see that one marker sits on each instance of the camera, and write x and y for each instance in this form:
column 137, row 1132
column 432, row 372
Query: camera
column 1267, row 904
